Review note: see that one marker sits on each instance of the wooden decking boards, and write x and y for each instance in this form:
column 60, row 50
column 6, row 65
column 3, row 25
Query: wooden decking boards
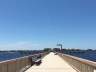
column 52, row 63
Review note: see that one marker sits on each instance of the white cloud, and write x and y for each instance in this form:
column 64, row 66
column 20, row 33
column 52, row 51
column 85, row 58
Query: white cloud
column 22, row 45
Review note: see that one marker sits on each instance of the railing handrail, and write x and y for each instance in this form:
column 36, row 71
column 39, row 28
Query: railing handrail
column 19, row 58
column 85, row 61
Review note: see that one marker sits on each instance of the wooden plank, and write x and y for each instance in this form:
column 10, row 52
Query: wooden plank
column 52, row 63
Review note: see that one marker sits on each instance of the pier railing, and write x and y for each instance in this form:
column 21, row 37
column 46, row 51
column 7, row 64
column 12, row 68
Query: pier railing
column 79, row 64
column 18, row 64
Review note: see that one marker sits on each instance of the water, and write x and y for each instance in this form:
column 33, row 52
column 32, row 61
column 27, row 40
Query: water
column 90, row 55
column 13, row 55
column 9, row 55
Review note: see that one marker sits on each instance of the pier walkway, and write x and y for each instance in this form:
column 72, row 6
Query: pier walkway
column 52, row 63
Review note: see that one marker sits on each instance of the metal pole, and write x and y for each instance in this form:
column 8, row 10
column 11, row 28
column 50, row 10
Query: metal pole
column 61, row 48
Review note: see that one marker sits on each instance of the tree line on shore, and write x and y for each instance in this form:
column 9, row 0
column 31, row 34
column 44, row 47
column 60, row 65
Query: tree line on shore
column 64, row 50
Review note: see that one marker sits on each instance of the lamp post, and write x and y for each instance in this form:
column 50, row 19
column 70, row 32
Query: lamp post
column 60, row 46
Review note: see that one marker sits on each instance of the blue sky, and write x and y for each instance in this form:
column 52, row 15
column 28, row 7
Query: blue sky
column 36, row 24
